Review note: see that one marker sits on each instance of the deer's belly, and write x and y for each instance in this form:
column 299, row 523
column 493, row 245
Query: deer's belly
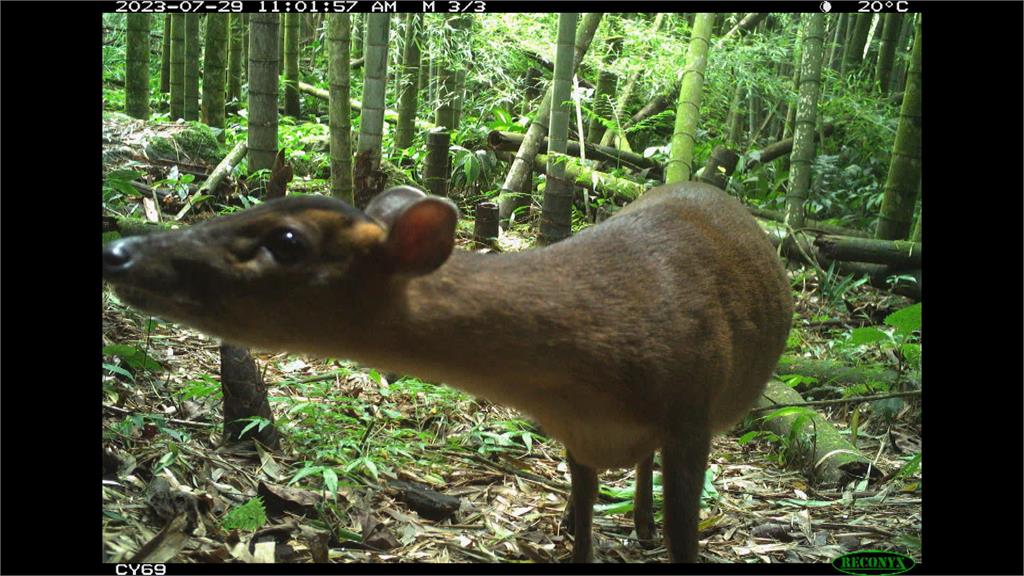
column 606, row 443
column 598, row 428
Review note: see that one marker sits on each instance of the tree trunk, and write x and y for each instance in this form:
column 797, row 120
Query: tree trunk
column 835, row 51
column 213, row 69
column 532, row 90
column 787, row 129
column 485, row 224
column 460, row 97
column 358, row 36
column 389, row 115
column 263, row 63
column 897, row 212
column 887, row 51
column 735, row 118
column 192, row 54
column 339, row 42
column 235, row 61
column 832, row 375
column 853, row 55
column 177, row 73
column 136, row 68
column 894, row 253
column 806, row 117
column 604, row 93
column 871, row 56
column 902, row 58
column 753, row 114
column 282, row 25
column 679, row 166
column 809, row 225
column 556, row 214
column 435, row 165
column 801, row 248
column 656, row 105
column 409, row 84
column 291, row 64
column 516, row 180
column 369, row 181
column 446, row 66
column 719, row 167
column 165, row 58
column 604, row 96
column 245, row 52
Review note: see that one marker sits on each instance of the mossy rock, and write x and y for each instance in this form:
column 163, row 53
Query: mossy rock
column 194, row 142
column 110, row 116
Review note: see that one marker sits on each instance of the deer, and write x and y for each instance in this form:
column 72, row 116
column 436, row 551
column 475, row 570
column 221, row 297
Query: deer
column 651, row 331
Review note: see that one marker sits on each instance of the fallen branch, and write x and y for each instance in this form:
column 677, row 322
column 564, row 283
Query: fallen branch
column 830, row 458
column 809, row 224
column 837, row 401
column 745, row 25
column 389, row 115
column 782, row 148
column 510, row 142
column 830, row 373
column 587, row 177
column 219, row 173
column 802, row 248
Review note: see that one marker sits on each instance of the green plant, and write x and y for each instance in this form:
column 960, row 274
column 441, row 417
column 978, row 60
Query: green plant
column 133, row 357
column 624, row 499
column 794, row 380
column 253, row 422
column 206, row 386
column 168, row 459
column 471, row 169
column 147, row 425
column 501, row 119
column 126, row 427
column 330, row 477
column 910, row 467
column 504, row 436
column 902, row 339
column 113, row 369
column 801, row 417
column 177, row 182
column 249, row 517
column 118, row 184
column 834, row 286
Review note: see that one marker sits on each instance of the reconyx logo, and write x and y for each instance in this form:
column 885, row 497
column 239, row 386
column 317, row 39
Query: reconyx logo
column 873, row 563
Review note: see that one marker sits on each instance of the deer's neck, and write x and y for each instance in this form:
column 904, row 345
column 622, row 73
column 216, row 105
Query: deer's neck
column 476, row 318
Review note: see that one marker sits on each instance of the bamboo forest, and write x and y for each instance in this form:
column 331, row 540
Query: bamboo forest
column 512, row 287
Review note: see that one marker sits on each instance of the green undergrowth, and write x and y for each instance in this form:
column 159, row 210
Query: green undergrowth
column 341, row 423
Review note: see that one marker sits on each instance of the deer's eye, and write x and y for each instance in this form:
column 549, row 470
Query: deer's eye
column 287, row 246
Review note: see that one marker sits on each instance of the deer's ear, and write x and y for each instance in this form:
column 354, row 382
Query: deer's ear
column 386, row 206
column 421, row 229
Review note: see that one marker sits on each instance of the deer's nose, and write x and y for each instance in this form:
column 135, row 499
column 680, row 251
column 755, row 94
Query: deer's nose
column 118, row 256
